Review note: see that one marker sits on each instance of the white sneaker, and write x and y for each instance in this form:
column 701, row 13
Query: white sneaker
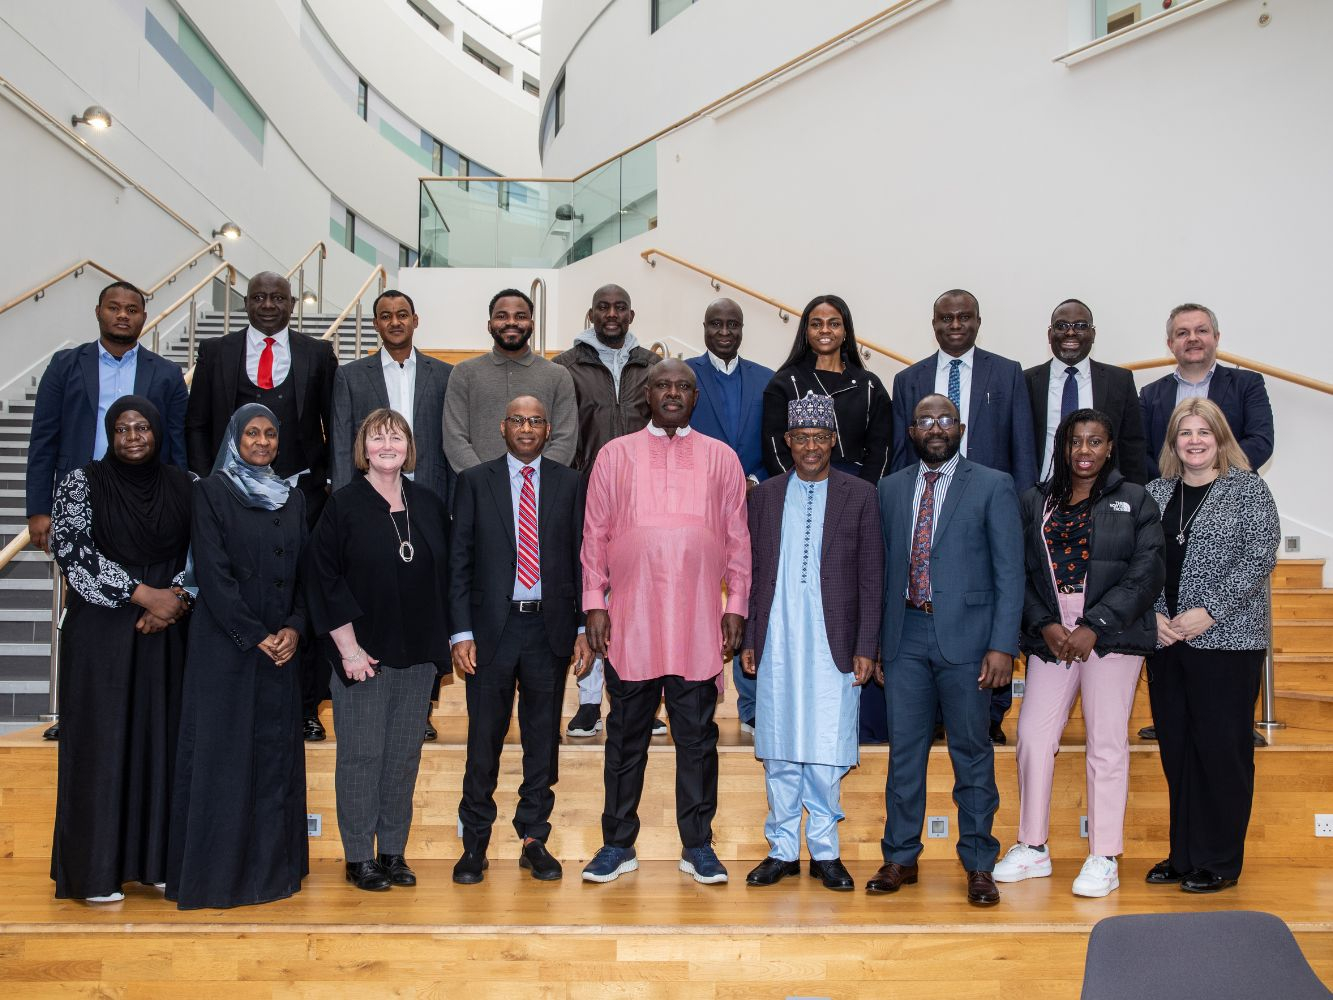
column 111, row 897
column 1100, row 877
column 1022, row 862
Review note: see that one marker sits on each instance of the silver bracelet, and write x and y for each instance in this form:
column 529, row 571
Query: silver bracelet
column 360, row 654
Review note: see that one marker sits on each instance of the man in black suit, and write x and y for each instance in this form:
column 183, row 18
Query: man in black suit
column 292, row 374
column 514, row 599
column 1071, row 381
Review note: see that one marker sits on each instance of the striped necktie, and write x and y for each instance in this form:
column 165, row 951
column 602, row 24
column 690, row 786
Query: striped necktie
column 529, row 563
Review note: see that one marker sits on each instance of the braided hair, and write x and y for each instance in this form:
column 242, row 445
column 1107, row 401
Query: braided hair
column 1058, row 488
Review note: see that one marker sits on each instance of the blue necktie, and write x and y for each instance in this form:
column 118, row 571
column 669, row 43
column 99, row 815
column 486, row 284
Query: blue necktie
column 1069, row 400
column 955, row 384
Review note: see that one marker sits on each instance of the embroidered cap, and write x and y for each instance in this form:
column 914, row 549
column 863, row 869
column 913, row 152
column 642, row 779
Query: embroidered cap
column 812, row 411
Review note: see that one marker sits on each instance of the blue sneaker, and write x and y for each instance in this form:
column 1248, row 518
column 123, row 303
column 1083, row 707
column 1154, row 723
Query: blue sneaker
column 609, row 863
column 702, row 863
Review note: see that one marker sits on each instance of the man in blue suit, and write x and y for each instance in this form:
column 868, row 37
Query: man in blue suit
column 731, row 409
column 953, row 599
column 78, row 386
column 991, row 396
column 1192, row 335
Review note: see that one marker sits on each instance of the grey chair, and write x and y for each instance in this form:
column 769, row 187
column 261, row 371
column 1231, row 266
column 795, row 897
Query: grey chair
column 1222, row 955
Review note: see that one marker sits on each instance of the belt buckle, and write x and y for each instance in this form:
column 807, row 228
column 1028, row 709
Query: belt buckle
column 529, row 607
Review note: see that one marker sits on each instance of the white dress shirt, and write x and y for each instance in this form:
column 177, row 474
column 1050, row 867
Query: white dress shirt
column 725, row 367
column 401, row 382
column 1185, row 389
column 964, row 385
column 656, row 431
column 1055, row 394
column 282, row 354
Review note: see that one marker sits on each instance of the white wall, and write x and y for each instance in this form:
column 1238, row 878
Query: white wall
column 452, row 303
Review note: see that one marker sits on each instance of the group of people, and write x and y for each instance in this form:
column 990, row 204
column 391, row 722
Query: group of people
column 872, row 564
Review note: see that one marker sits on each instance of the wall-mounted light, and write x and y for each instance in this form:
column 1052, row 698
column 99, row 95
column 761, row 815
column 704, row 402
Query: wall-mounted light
column 93, row 116
column 228, row 230
column 309, row 299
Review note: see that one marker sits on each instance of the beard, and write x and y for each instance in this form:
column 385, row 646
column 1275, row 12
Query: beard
column 499, row 337
column 922, row 452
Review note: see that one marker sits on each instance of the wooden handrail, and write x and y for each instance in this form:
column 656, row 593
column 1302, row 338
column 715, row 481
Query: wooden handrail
column 16, row 545
column 323, row 254
column 1235, row 359
column 199, row 287
column 379, row 272
column 784, row 310
column 38, row 291
column 214, row 248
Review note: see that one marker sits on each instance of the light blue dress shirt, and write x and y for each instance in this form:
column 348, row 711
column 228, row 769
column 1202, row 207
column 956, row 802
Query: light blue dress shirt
column 115, row 378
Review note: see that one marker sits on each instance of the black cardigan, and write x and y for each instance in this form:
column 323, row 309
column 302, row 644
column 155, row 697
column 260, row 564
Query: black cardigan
column 861, row 408
column 1125, row 574
column 353, row 574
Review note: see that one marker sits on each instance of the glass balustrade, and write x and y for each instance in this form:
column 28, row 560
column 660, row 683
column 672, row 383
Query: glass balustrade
column 490, row 222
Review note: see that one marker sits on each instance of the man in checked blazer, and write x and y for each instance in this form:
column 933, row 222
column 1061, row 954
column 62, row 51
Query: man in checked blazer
column 515, row 588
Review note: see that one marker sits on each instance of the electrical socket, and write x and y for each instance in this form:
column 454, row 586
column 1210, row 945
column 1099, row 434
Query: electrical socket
column 1323, row 824
column 1292, row 543
column 1083, row 827
column 314, row 824
column 937, row 827
column 1020, row 686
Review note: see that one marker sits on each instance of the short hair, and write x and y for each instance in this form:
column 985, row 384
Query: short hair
column 383, row 419
column 1229, row 454
column 1073, row 302
column 1190, row 307
column 143, row 299
column 959, row 291
column 507, row 293
column 391, row 293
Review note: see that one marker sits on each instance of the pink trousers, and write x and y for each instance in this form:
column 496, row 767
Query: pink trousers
column 1107, row 684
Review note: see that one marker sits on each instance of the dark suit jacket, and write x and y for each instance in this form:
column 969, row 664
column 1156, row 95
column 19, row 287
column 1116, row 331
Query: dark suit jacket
column 484, row 554
column 851, row 572
column 999, row 422
column 64, row 419
column 709, row 415
column 213, row 399
column 1239, row 394
column 359, row 389
column 1114, row 394
column 976, row 562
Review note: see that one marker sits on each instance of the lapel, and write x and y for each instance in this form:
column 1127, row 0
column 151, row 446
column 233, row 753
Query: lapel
column 1219, row 388
column 377, row 384
column 1101, row 385
column 300, row 368
column 710, row 394
column 747, row 394
column 143, row 373
column 981, row 373
column 419, row 392
column 772, row 540
column 833, row 507
column 953, row 498
column 231, row 356
column 88, row 362
column 545, row 502
column 1039, row 390
column 504, row 505
column 902, row 528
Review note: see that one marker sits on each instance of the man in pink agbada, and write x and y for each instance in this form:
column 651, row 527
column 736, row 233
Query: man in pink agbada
column 664, row 529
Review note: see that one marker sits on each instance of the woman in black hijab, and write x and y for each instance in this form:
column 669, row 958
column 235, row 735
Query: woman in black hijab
column 120, row 530
column 238, row 827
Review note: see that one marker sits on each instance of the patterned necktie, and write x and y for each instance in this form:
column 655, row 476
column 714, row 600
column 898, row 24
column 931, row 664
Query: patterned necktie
column 529, row 564
column 265, row 374
column 918, row 569
column 956, row 384
column 1069, row 400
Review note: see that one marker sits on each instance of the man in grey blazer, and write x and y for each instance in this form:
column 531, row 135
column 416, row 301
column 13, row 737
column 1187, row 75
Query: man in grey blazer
column 953, row 600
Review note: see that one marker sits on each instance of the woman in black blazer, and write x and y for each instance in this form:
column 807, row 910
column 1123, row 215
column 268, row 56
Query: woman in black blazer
column 1093, row 555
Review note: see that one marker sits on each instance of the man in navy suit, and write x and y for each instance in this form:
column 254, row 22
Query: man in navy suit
column 731, row 409
column 80, row 384
column 1192, row 335
column 991, row 397
column 953, row 600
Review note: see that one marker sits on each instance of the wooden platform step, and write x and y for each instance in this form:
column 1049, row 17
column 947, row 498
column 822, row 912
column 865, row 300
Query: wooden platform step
column 1307, row 635
column 1298, row 573
column 1303, row 602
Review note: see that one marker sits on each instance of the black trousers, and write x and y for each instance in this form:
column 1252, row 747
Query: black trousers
column 315, row 659
column 629, row 730
column 1203, row 707
column 523, row 659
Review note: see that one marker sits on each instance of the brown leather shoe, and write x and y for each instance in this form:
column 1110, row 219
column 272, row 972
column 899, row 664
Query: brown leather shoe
column 981, row 890
column 891, row 877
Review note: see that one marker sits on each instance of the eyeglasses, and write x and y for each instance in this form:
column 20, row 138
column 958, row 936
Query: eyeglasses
column 943, row 423
column 124, row 430
column 818, row 437
column 519, row 422
column 1064, row 325
column 730, row 324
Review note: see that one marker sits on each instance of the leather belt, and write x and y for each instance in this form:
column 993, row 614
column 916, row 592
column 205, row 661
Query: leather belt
column 526, row 607
column 928, row 607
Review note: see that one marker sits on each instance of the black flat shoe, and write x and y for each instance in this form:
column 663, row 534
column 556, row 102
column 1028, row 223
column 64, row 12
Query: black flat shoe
column 1163, row 874
column 537, row 859
column 997, row 737
column 771, row 871
column 314, row 731
column 430, row 735
column 395, row 866
column 1202, row 880
column 367, row 875
column 52, row 732
column 1148, row 733
column 832, row 874
column 470, row 868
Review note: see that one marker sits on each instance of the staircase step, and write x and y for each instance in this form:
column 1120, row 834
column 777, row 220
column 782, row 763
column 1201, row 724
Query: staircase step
column 1313, row 676
column 1298, row 573
column 1306, row 711
column 1303, row 602
column 1303, row 636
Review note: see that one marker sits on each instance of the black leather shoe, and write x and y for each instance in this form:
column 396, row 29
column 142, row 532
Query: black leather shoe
column 1260, row 740
column 771, row 871
column 367, row 875
column 1202, row 880
column 891, row 877
column 314, row 730
column 537, row 859
column 832, row 874
column 1148, row 733
column 997, row 737
column 395, row 866
column 52, row 732
column 1163, row 874
column 430, row 735
column 981, row 889
column 470, row 868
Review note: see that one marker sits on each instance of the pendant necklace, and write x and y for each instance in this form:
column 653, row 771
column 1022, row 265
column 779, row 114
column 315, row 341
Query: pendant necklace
column 405, row 550
column 1184, row 524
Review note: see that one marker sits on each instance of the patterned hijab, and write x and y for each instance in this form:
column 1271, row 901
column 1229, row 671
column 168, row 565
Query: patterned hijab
column 256, row 486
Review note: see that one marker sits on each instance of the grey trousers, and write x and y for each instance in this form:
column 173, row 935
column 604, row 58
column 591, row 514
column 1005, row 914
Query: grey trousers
column 378, row 724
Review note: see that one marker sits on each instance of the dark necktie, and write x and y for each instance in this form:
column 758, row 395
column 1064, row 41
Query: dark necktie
column 1069, row 399
column 918, row 569
column 956, row 384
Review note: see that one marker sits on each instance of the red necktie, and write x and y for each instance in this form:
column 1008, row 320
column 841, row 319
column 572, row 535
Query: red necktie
column 529, row 565
column 266, row 365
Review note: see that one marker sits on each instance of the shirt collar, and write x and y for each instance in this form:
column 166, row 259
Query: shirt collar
column 946, row 470
column 1203, row 381
column 1084, row 367
column 524, row 359
column 386, row 359
column 516, row 467
column 942, row 364
column 104, row 355
column 725, row 367
column 256, row 339
column 656, row 431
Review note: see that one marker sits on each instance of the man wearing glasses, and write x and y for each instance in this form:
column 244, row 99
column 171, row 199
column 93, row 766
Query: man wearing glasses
column 1071, row 381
